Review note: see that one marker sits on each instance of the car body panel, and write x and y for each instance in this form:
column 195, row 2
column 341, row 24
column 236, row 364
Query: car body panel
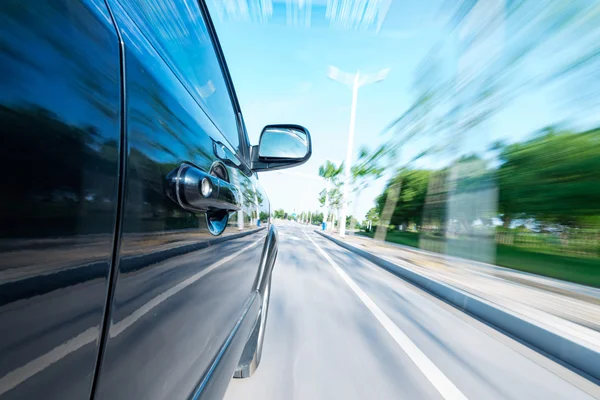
column 59, row 150
column 172, row 313
column 109, row 289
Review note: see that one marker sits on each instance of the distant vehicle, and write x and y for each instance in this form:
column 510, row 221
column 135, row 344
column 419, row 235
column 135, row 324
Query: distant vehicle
column 132, row 265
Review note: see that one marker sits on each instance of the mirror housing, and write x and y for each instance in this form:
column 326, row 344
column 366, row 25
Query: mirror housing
column 281, row 146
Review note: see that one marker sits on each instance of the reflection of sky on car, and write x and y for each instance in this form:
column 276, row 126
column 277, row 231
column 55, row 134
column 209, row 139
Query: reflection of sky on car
column 282, row 143
column 279, row 51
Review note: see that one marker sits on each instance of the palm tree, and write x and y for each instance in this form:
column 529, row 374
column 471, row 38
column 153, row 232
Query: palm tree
column 329, row 171
column 363, row 173
column 329, row 196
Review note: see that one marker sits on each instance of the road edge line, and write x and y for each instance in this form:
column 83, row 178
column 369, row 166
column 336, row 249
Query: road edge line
column 575, row 356
column 431, row 372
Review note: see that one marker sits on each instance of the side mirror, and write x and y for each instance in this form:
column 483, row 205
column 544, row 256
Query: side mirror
column 281, row 146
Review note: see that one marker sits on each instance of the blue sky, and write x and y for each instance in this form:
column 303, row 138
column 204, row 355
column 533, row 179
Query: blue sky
column 278, row 56
column 280, row 75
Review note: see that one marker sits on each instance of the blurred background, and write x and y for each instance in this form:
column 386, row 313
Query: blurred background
column 456, row 160
column 468, row 128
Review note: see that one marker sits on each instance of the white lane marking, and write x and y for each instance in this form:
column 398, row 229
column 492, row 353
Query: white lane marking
column 427, row 367
column 126, row 322
column 21, row 374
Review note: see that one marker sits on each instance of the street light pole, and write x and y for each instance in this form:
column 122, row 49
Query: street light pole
column 326, row 202
column 348, row 165
column 356, row 81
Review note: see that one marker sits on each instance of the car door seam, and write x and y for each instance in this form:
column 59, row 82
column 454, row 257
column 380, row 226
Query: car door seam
column 113, row 272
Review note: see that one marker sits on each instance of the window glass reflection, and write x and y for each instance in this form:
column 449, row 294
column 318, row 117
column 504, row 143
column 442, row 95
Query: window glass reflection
column 179, row 32
column 280, row 143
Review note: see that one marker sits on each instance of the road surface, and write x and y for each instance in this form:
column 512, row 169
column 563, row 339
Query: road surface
column 340, row 327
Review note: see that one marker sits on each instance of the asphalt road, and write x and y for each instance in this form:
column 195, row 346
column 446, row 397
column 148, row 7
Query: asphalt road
column 340, row 327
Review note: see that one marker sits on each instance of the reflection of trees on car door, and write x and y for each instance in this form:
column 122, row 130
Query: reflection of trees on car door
column 180, row 290
column 59, row 151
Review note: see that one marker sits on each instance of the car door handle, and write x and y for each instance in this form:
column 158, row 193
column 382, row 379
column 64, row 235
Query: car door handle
column 195, row 190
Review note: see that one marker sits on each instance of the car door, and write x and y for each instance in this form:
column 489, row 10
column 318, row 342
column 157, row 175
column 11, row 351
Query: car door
column 184, row 277
column 60, row 113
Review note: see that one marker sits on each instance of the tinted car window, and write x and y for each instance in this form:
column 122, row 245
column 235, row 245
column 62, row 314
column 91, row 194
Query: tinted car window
column 179, row 32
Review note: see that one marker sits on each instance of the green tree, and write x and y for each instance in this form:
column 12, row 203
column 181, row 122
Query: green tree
column 373, row 215
column 329, row 171
column 351, row 222
column 333, row 196
column 279, row 214
column 317, row 218
column 448, row 106
column 264, row 217
column 553, row 178
column 411, row 199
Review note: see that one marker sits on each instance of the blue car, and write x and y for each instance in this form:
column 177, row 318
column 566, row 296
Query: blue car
column 136, row 247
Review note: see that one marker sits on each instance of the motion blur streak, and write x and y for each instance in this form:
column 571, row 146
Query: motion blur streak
column 497, row 159
column 341, row 14
column 480, row 150
column 472, row 171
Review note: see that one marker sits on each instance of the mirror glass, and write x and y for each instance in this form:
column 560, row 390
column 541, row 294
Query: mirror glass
column 279, row 142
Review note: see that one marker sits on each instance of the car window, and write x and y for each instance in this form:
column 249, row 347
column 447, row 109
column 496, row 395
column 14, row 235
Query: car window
column 180, row 34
